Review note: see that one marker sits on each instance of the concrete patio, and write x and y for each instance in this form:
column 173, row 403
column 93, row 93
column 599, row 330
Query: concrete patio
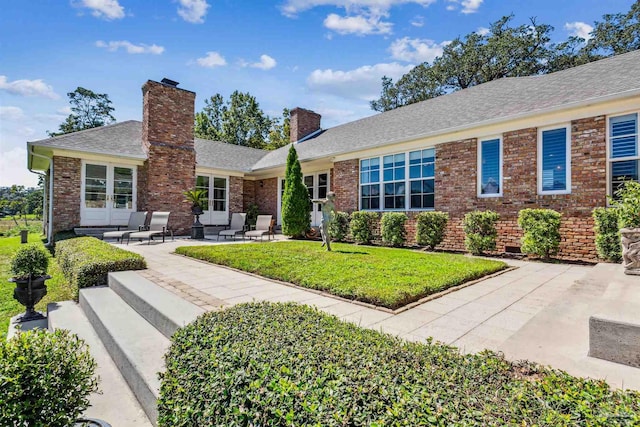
column 537, row 312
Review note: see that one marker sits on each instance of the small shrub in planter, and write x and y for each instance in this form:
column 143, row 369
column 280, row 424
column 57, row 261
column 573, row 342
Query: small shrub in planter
column 392, row 228
column 45, row 378
column 431, row 228
column 627, row 202
column 607, row 234
column 86, row 261
column 362, row 226
column 339, row 227
column 541, row 229
column 480, row 231
column 30, row 261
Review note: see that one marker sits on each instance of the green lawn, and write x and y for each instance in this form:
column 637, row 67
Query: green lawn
column 57, row 287
column 382, row 276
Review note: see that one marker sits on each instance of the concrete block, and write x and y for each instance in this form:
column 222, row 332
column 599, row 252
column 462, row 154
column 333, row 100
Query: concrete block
column 15, row 326
column 615, row 339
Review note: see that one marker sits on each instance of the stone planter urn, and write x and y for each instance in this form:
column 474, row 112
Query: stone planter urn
column 631, row 250
column 29, row 292
column 29, row 269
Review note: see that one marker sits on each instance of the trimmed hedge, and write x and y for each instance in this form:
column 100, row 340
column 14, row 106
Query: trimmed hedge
column 480, row 231
column 392, row 228
column 45, row 378
column 362, row 226
column 339, row 227
column 431, row 228
column 541, row 229
column 607, row 234
column 86, row 261
column 265, row 364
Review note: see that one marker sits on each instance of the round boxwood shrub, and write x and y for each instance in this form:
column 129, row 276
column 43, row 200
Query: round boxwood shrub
column 30, row 260
column 431, row 228
column 363, row 225
column 541, row 228
column 339, row 227
column 45, row 378
column 480, row 231
column 607, row 234
column 392, row 228
column 266, row 364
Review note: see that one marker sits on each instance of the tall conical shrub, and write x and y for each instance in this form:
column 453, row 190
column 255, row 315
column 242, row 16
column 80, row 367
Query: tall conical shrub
column 296, row 213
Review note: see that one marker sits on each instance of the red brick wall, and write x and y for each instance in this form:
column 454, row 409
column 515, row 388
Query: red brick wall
column 345, row 183
column 248, row 194
column 456, row 187
column 267, row 196
column 236, row 197
column 303, row 122
column 167, row 137
column 67, row 181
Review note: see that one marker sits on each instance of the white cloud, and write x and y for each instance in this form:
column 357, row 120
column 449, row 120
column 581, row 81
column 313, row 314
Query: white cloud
column 13, row 169
column 468, row 6
column 64, row 110
column 11, row 113
column 579, row 29
column 212, row 60
column 266, row 63
column 28, row 88
column 417, row 21
column 193, row 11
column 416, row 50
column 483, row 31
column 363, row 83
column 129, row 47
column 292, row 7
column 106, row 9
column 359, row 24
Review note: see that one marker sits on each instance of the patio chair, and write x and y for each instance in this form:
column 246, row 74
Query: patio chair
column 263, row 226
column 137, row 222
column 236, row 226
column 157, row 227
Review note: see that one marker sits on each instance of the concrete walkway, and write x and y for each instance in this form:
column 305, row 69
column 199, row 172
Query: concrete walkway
column 499, row 313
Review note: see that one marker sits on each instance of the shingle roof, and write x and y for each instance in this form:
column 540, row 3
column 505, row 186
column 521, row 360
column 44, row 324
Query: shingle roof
column 122, row 138
column 500, row 99
column 125, row 139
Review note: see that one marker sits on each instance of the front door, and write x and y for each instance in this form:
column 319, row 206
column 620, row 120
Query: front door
column 108, row 194
column 318, row 186
column 217, row 199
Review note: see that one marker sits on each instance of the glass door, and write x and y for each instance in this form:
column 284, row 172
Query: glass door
column 318, row 186
column 217, row 201
column 108, row 194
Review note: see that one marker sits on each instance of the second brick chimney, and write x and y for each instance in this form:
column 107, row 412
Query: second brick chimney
column 167, row 138
column 303, row 123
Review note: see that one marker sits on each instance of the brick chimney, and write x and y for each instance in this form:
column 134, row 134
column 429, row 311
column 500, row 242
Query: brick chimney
column 303, row 123
column 167, row 138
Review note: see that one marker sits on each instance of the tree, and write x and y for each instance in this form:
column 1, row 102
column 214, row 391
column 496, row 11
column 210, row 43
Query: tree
column 88, row 110
column 507, row 51
column 296, row 211
column 617, row 33
column 238, row 121
column 280, row 129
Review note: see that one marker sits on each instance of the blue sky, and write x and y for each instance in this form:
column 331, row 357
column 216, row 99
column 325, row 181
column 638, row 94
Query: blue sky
column 324, row 55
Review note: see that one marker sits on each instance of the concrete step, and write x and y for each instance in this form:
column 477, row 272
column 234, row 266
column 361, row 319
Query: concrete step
column 136, row 346
column 116, row 404
column 614, row 335
column 160, row 307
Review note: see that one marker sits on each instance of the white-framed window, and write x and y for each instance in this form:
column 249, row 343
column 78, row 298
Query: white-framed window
column 490, row 167
column 624, row 158
column 422, row 179
column 554, row 160
column 399, row 181
column 370, row 184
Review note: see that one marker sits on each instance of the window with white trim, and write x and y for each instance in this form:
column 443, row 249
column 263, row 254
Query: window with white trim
column 398, row 181
column 370, row 184
column 554, row 161
column 490, row 168
column 422, row 179
column 394, row 181
column 623, row 150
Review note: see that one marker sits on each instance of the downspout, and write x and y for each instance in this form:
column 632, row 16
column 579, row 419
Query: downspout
column 50, row 198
